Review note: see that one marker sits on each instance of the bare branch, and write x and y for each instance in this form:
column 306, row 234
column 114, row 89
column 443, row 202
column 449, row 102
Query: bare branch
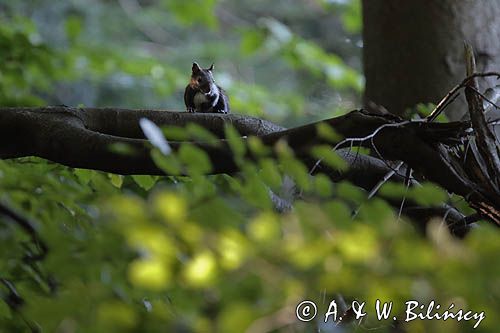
column 485, row 140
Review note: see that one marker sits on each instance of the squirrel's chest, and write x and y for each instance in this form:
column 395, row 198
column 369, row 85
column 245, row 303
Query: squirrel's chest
column 200, row 99
column 205, row 103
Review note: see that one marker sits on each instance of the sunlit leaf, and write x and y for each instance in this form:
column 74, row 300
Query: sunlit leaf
column 149, row 274
column 84, row 175
column 264, row 227
column 201, row 270
column 116, row 180
column 145, row 181
column 172, row 207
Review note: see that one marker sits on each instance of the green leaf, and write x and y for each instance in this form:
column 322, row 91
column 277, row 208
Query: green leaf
column 376, row 210
column 116, row 180
column 326, row 132
column 84, row 175
column 351, row 17
column 325, row 154
column 170, row 164
column 175, row 133
column 251, row 41
column 348, row 191
column 200, row 133
column 323, row 185
column 145, row 181
column 122, row 149
column 298, row 171
column 425, row 109
column 270, row 172
column 257, row 193
column 237, row 318
column 196, row 160
column 256, row 146
column 5, row 311
column 428, row 194
column 235, row 141
column 339, row 213
column 194, row 12
column 394, row 190
column 73, row 27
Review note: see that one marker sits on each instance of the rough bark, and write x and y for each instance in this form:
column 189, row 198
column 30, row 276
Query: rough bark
column 69, row 136
column 413, row 49
column 81, row 138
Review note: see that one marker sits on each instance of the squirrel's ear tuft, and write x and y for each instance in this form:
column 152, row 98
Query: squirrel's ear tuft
column 211, row 68
column 196, row 68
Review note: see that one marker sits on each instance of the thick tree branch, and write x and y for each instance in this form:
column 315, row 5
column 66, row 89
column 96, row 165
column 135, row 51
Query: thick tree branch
column 123, row 122
column 82, row 137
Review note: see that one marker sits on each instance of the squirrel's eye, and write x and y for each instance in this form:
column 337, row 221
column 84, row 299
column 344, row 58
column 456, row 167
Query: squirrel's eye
column 199, row 80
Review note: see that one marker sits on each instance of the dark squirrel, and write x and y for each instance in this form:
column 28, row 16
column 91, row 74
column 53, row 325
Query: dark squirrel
column 203, row 95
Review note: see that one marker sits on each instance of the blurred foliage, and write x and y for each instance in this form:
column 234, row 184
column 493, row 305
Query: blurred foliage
column 289, row 61
column 208, row 253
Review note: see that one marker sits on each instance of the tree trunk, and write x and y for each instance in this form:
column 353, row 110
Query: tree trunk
column 413, row 49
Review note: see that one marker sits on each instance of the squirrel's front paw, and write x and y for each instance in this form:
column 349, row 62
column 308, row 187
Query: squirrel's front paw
column 190, row 110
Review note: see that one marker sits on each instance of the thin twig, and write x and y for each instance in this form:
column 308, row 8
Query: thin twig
column 385, row 179
column 441, row 105
column 485, row 98
column 26, row 225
